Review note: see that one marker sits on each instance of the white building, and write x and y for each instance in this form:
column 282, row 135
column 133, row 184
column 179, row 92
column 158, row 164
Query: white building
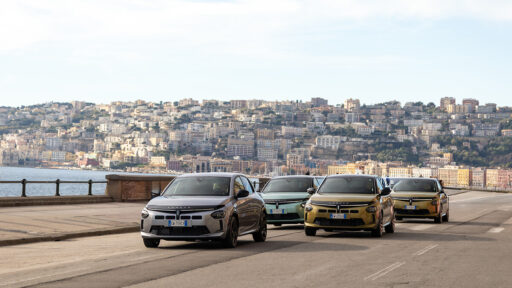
column 328, row 142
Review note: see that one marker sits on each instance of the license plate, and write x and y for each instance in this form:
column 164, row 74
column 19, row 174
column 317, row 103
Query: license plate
column 409, row 207
column 277, row 211
column 338, row 216
column 179, row 223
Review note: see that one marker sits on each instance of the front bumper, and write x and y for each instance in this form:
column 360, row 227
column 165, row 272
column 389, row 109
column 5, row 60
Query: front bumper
column 357, row 218
column 293, row 213
column 157, row 226
column 423, row 209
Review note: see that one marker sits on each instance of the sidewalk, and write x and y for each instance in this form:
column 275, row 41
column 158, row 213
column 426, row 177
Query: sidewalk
column 27, row 224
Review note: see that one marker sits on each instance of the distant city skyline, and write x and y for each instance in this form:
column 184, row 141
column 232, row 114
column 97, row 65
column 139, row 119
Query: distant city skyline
column 376, row 51
column 341, row 101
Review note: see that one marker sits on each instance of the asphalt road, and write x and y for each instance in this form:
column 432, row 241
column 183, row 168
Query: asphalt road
column 473, row 250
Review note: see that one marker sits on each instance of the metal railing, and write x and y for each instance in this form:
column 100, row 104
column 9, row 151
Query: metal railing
column 57, row 183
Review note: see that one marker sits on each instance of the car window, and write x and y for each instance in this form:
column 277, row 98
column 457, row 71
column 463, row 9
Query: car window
column 348, row 184
column 420, row 185
column 247, row 185
column 288, row 185
column 198, row 186
column 239, row 185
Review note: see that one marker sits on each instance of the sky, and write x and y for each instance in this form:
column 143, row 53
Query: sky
column 165, row 50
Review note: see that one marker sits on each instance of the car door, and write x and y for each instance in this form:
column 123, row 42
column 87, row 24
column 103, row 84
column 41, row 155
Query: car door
column 443, row 198
column 242, row 205
column 254, row 204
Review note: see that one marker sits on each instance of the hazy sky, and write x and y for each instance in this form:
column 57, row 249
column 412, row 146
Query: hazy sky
column 103, row 51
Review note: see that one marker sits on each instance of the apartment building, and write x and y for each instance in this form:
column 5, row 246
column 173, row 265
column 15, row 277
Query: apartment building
column 449, row 175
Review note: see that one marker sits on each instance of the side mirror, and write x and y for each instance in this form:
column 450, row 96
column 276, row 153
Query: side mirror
column 385, row 191
column 154, row 194
column 242, row 193
column 311, row 190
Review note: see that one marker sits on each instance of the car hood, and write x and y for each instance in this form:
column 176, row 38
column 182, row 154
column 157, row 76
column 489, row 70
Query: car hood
column 413, row 194
column 188, row 201
column 285, row 195
column 343, row 197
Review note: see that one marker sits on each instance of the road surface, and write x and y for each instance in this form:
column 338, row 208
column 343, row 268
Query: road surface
column 473, row 250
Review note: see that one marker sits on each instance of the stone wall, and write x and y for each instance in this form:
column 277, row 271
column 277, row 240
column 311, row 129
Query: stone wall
column 135, row 188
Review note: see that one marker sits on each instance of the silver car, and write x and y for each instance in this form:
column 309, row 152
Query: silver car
column 205, row 206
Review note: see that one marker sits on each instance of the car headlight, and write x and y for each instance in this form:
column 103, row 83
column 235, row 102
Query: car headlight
column 309, row 208
column 218, row 214
column 144, row 214
column 371, row 209
column 434, row 202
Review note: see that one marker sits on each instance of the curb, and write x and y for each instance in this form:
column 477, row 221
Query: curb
column 53, row 200
column 65, row 236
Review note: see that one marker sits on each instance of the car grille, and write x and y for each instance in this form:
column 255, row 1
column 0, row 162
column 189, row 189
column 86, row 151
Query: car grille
column 339, row 222
column 288, row 201
column 334, row 211
column 412, row 212
column 413, row 199
column 289, row 216
column 183, row 217
column 179, row 231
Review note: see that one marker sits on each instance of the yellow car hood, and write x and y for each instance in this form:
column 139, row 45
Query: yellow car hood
column 343, row 197
column 413, row 194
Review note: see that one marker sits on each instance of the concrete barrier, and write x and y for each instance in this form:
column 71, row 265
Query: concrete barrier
column 482, row 189
column 135, row 188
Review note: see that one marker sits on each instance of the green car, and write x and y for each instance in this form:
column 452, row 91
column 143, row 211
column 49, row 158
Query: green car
column 286, row 196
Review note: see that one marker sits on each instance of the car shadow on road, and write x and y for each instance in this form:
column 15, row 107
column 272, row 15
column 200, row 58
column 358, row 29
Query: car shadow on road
column 416, row 221
column 286, row 227
column 288, row 246
column 408, row 236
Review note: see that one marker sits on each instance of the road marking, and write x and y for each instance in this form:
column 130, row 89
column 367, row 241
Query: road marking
column 496, row 230
column 43, row 276
column 425, row 250
column 384, row 271
column 508, row 222
column 478, row 198
column 421, row 227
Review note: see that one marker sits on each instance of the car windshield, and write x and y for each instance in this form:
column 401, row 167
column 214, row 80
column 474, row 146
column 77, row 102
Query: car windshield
column 392, row 181
column 415, row 185
column 288, row 185
column 319, row 180
column 199, row 186
column 356, row 185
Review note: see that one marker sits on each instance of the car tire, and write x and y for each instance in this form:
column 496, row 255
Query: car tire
column 310, row 231
column 439, row 218
column 151, row 243
column 261, row 235
column 446, row 217
column 328, row 230
column 231, row 239
column 399, row 218
column 390, row 228
column 379, row 230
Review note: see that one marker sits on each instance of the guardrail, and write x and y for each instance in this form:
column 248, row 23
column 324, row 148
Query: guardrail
column 57, row 183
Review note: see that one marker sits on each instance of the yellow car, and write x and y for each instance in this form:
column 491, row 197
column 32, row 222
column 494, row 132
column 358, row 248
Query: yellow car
column 350, row 202
column 421, row 198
